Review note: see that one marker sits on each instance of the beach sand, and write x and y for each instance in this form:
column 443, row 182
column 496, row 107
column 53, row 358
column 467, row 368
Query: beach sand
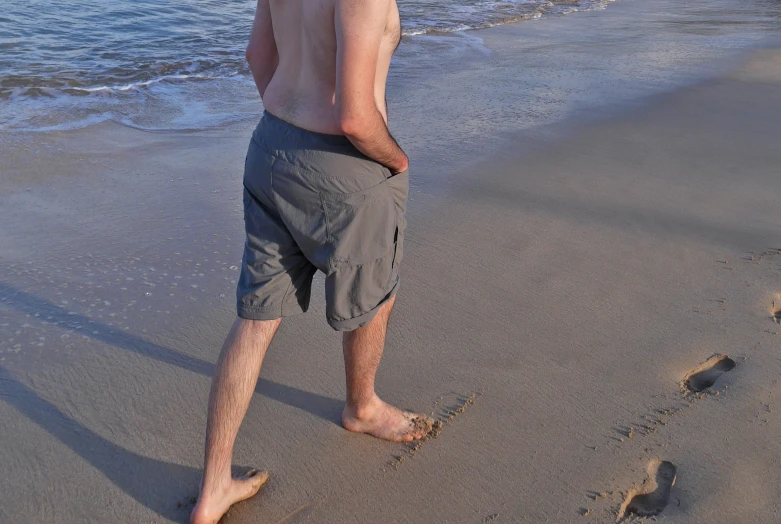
column 558, row 299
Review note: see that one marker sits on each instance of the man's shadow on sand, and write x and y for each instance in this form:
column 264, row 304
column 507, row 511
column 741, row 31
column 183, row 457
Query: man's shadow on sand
column 153, row 483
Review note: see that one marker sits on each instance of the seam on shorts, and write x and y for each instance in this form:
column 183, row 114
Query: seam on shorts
column 339, row 198
column 284, row 297
column 395, row 207
column 276, row 157
column 271, row 175
column 336, row 263
column 260, row 309
column 328, row 234
column 291, row 309
column 267, row 309
column 371, row 313
column 274, row 160
column 256, row 315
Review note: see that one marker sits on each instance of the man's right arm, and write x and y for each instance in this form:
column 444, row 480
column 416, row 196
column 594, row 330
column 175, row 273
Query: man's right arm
column 262, row 55
column 360, row 25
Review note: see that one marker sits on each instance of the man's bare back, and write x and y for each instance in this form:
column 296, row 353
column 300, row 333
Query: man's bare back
column 302, row 89
column 311, row 61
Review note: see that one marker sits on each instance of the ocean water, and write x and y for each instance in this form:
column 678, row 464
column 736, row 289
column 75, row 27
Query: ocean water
column 173, row 65
column 163, row 65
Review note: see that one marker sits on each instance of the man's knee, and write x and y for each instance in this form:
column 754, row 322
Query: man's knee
column 258, row 326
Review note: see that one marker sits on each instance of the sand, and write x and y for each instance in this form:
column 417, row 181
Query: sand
column 559, row 293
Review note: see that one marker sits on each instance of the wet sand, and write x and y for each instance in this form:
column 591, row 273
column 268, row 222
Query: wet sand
column 559, row 298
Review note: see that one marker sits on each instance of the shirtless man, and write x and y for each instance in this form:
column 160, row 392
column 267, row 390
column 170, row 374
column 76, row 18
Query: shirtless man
column 325, row 188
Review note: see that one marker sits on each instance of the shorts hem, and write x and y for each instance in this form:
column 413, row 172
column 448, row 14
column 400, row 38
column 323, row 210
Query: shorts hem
column 269, row 313
column 354, row 323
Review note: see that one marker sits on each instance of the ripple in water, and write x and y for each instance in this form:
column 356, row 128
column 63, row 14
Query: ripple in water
column 157, row 65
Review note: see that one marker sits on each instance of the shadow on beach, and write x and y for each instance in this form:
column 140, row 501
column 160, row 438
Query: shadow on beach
column 154, row 483
column 158, row 485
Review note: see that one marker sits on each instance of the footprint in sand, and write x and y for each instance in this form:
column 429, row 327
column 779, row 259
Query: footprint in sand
column 654, row 496
column 704, row 376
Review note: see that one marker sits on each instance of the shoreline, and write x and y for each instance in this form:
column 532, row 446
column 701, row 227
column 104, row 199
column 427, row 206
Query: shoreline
column 628, row 50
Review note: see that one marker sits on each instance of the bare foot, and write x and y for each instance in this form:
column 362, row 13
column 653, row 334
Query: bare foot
column 212, row 506
column 384, row 421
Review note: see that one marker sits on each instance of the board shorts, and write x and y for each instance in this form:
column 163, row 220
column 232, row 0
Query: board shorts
column 312, row 202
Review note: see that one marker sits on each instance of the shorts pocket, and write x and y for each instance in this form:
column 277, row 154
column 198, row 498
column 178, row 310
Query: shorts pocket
column 398, row 248
column 360, row 226
column 353, row 290
column 398, row 187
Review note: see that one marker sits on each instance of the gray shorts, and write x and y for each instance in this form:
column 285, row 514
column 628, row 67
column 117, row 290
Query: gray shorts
column 313, row 201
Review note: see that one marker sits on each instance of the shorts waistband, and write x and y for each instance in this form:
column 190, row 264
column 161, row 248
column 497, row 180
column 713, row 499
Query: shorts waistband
column 277, row 134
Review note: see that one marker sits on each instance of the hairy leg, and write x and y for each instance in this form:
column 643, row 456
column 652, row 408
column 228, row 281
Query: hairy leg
column 364, row 412
column 234, row 383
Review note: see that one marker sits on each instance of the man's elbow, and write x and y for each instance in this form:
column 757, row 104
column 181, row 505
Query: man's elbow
column 250, row 54
column 258, row 56
column 350, row 126
column 355, row 123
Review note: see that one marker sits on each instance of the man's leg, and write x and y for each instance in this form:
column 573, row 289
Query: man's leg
column 364, row 412
column 234, row 383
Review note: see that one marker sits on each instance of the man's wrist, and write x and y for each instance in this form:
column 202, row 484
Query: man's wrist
column 402, row 166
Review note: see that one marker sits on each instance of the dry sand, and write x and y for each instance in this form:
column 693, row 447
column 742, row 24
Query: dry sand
column 555, row 305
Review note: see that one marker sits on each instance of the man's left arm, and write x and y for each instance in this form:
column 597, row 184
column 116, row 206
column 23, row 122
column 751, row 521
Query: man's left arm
column 262, row 55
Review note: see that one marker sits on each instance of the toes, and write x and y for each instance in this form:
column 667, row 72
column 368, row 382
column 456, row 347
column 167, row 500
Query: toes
column 253, row 480
column 258, row 477
column 422, row 424
column 419, row 427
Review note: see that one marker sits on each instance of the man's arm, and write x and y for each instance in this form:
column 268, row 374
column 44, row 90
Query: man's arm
column 262, row 55
column 360, row 25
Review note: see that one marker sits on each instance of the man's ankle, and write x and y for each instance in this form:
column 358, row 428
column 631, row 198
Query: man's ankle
column 363, row 407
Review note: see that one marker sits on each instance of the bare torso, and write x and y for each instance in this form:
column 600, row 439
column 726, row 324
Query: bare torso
column 302, row 89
